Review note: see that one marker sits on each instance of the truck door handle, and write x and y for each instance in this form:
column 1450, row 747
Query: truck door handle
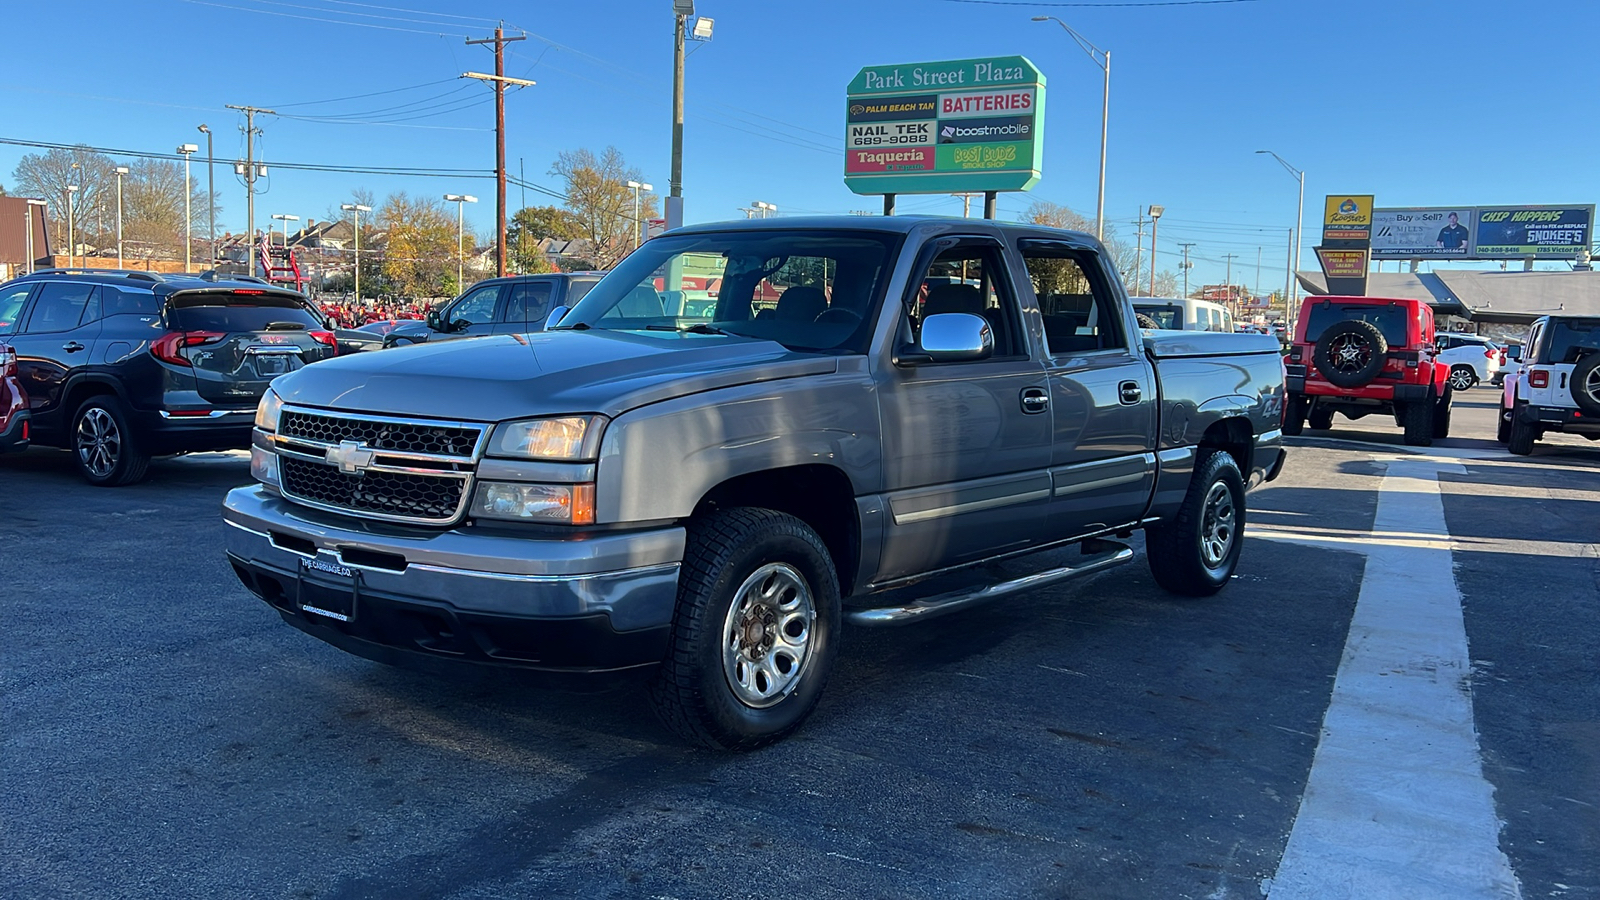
column 1129, row 392
column 1034, row 400
column 72, row 346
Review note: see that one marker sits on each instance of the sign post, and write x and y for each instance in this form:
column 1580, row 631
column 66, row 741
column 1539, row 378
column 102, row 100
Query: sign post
column 958, row 126
column 1346, row 243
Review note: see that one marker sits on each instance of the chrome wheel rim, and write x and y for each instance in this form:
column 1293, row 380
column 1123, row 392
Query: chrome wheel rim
column 1217, row 525
column 1591, row 385
column 99, row 442
column 1461, row 379
column 767, row 635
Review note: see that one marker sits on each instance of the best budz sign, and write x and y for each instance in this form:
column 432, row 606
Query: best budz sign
column 959, row 125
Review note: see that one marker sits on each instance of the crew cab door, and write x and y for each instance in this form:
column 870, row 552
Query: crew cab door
column 1102, row 391
column 526, row 304
column 966, row 445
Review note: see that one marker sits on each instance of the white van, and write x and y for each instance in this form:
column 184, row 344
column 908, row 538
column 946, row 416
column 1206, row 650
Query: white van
column 1175, row 314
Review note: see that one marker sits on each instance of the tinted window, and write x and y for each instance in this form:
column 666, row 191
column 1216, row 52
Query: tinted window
column 1569, row 341
column 11, row 300
column 1166, row 317
column 116, row 301
column 807, row 290
column 1391, row 320
column 529, row 301
column 230, row 313
column 91, row 310
column 970, row 278
column 1079, row 314
column 59, row 307
column 477, row 307
column 576, row 290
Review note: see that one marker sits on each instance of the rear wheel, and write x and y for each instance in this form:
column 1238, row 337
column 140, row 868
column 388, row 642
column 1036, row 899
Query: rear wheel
column 755, row 631
column 1196, row 551
column 1294, row 414
column 1462, row 377
column 1520, row 440
column 1502, row 431
column 103, row 445
column 1441, row 414
column 1322, row 419
column 1417, row 422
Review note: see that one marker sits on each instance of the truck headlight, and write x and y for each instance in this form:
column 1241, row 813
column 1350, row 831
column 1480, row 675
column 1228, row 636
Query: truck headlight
column 558, row 504
column 267, row 412
column 563, row 437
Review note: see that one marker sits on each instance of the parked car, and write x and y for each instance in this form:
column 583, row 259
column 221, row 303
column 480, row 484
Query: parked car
column 1471, row 358
column 1360, row 356
column 1184, row 314
column 1557, row 386
column 517, row 304
column 383, row 326
column 15, row 428
column 716, row 495
column 120, row 366
column 1510, row 359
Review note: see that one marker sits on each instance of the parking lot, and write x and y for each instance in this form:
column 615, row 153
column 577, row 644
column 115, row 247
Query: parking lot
column 166, row 735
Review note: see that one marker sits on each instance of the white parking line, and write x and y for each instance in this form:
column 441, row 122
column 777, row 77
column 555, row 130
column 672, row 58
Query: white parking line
column 1396, row 804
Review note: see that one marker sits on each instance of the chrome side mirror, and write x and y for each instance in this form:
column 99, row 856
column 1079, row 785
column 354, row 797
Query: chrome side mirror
column 956, row 337
column 554, row 318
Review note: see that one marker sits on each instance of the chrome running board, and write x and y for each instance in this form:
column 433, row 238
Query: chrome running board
column 940, row 604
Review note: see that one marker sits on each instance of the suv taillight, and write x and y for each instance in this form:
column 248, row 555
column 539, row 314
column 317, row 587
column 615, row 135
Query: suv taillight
column 325, row 337
column 8, row 362
column 1490, row 352
column 168, row 347
column 1502, row 356
column 1539, row 378
column 1294, row 353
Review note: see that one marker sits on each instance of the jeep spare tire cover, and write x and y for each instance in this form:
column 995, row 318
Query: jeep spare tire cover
column 1585, row 384
column 1350, row 353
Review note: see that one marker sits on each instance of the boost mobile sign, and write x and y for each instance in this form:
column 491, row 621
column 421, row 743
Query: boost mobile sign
column 952, row 126
column 1482, row 232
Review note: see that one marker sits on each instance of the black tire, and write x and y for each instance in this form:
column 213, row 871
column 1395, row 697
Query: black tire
column 1350, row 353
column 1176, row 549
column 1523, row 435
column 1462, row 378
column 691, row 693
column 1417, row 423
column 1321, row 419
column 1502, row 432
column 1294, row 414
column 1585, row 384
column 1441, row 413
column 103, row 445
column 1146, row 322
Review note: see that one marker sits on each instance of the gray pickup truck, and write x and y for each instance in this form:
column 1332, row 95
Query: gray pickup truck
column 879, row 420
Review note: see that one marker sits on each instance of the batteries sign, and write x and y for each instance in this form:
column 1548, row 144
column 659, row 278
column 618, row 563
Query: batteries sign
column 952, row 126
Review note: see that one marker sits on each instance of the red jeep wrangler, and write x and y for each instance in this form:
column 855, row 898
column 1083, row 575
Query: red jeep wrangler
column 1365, row 355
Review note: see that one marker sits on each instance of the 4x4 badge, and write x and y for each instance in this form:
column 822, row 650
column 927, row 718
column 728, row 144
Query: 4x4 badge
column 349, row 456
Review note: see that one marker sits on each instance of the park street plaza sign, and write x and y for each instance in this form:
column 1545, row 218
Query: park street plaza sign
column 940, row 127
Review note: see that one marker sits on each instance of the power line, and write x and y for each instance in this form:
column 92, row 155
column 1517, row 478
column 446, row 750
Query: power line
column 403, row 171
column 372, row 94
column 269, row 12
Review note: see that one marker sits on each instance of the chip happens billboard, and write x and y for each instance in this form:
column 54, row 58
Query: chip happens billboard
column 957, row 125
column 1482, row 232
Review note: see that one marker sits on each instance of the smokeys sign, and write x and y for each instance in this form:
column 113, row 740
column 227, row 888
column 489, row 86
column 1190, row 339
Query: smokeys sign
column 958, row 125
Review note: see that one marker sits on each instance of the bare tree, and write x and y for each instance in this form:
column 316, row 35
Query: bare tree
column 48, row 175
column 419, row 257
column 599, row 197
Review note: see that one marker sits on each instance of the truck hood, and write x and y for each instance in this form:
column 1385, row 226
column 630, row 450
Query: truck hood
column 503, row 377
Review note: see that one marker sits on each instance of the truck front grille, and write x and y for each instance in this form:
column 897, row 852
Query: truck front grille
column 427, row 499
column 442, row 439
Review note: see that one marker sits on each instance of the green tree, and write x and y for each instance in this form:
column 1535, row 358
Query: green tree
column 599, row 198
column 421, row 248
column 532, row 224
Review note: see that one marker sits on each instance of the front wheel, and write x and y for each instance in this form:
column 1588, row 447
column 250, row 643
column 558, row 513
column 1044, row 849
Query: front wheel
column 1195, row 552
column 755, row 632
column 103, row 445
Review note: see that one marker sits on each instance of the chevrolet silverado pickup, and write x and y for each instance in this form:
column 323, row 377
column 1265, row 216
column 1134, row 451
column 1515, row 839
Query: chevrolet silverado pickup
column 878, row 421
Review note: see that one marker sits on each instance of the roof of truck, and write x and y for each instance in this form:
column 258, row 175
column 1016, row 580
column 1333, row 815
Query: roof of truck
column 893, row 224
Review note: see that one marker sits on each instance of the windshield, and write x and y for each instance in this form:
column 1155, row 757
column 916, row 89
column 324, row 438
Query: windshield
column 807, row 290
column 1570, row 341
column 1391, row 320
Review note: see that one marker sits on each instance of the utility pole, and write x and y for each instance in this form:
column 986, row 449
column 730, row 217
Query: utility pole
column 1186, row 264
column 1227, row 283
column 499, row 80
column 1257, row 289
column 250, row 173
column 1138, row 253
column 966, row 204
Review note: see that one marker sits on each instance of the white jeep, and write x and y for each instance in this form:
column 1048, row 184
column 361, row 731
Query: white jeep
column 1557, row 387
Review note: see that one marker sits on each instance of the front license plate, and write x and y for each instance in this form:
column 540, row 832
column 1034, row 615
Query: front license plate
column 328, row 589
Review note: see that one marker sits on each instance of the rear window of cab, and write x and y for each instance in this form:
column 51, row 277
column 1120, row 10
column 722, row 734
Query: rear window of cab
column 231, row 312
column 1391, row 320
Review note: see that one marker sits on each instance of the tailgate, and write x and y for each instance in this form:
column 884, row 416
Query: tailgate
column 237, row 343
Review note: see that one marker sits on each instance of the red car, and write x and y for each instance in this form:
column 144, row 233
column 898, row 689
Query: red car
column 1360, row 356
column 14, row 426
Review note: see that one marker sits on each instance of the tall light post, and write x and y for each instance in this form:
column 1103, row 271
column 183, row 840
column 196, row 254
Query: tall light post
column 1104, row 62
column 461, row 236
column 188, row 150
column 119, row 171
column 1155, row 216
column 211, row 193
column 764, row 207
column 358, row 209
column 638, row 226
column 33, row 257
column 71, row 189
column 286, row 219
column 1291, row 293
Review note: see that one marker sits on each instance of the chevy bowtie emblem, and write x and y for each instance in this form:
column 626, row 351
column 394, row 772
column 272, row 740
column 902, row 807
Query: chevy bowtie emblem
column 349, row 456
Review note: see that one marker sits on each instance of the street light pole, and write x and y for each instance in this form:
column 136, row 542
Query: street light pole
column 1104, row 62
column 71, row 189
column 188, row 150
column 1291, row 293
column 286, row 219
column 461, row 236
column 33, row 258
column 358, row 209
column 764, row 207
column 638, row 226
column 211, row 194
column 120, row 171
column 1155, row 218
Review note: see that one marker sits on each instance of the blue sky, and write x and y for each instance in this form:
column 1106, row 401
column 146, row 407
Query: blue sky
column 1421, row 102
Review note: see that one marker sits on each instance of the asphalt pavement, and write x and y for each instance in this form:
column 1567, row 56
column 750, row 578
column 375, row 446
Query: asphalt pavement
column 166, row 735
